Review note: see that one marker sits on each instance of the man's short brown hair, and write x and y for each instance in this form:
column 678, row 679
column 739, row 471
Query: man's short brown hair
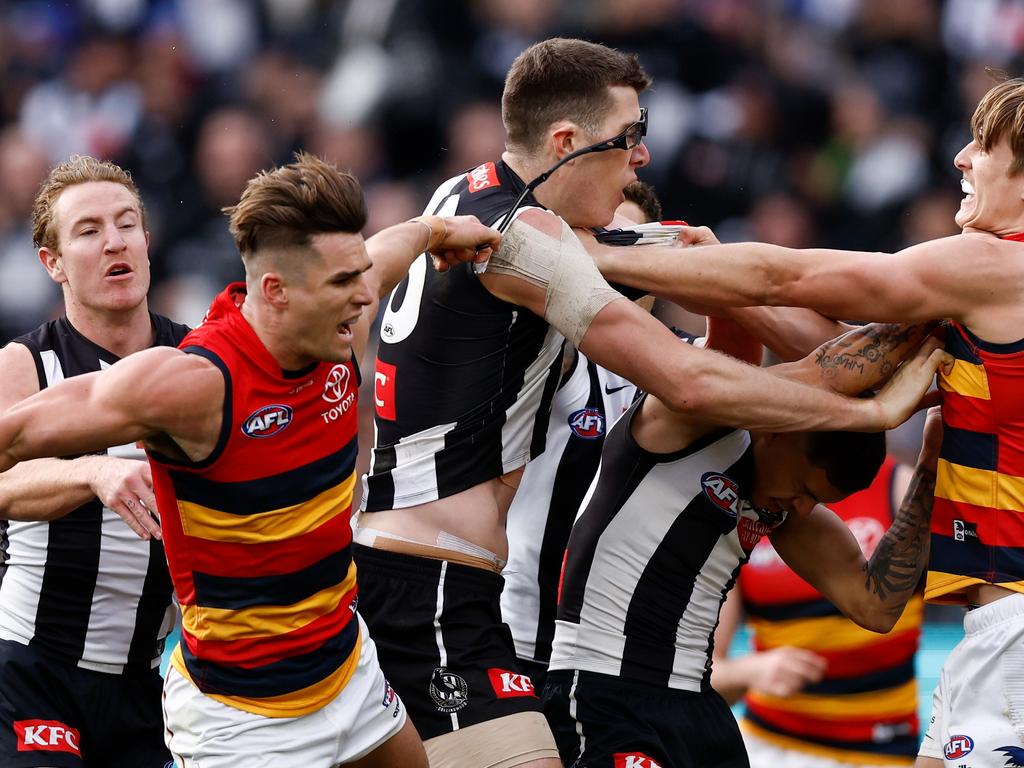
column 1000, row 114
column 79, row 169
column 642, row 194
column 288, row 206
column 563, row 79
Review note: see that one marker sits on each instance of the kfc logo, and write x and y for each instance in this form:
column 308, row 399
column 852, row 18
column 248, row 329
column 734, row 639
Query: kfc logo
column 384, row 390
column 46, row 736
column 482, row 177
column 634, row 760
column 337, row 384
column 509, row 685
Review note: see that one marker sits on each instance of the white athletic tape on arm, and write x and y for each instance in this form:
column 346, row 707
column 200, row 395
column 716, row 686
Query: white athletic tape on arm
column 575, row 291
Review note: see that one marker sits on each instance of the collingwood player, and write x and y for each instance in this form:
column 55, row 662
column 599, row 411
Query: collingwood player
column 85, row 600
column 466, row 370
column 678, row 504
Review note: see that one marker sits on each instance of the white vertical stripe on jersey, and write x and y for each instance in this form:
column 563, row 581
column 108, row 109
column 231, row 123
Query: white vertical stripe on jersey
column 521, row 416
column 528, row 517
column 26, row 551
column 693, row 635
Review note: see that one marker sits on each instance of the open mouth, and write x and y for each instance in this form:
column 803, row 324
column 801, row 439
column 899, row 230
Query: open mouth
column 118, row 270
column 966, row 187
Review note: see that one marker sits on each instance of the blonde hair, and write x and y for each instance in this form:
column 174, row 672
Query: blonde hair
column 1000, row 114
column 79, row 169
column 289, row 205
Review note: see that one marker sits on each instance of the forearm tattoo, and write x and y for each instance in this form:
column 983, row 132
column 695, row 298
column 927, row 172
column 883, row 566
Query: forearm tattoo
column 866, row 356
column 895, row 568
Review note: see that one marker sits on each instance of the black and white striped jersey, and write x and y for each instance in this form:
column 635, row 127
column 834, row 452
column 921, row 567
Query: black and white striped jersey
column 85, row 589
column 588, row 401
column 653, row 555
column 463, row 380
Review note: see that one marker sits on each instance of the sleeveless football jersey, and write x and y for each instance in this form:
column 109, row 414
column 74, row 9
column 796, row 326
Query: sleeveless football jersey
column 653, row 555
column 258, row 535
column 463, row 381
column 85, row 589
column 978, row 518
column 865, row 707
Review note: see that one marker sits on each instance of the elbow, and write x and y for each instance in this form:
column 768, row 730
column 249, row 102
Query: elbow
column 688, row 394
column 875, row 618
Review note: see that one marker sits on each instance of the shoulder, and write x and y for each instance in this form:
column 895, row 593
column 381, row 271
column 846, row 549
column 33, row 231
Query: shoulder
column 542, row 220
column 20, row 378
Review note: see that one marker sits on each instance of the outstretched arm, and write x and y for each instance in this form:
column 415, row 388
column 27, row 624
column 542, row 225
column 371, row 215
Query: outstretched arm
column 151, row 394
column 948, row 277
column 872, row 593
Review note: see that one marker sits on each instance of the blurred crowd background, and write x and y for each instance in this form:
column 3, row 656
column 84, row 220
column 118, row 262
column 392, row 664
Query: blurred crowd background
column 799, row 122
column 793, row 121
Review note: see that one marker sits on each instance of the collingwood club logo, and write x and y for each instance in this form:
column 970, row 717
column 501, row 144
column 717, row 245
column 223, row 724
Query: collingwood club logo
column 448, row 690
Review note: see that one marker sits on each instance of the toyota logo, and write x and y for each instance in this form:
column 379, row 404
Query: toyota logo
column 336, row 385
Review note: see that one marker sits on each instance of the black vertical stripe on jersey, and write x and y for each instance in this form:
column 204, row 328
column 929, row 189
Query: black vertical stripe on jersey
column 575, row 472
column 540, row 421
column 624, row 468
column 65, row 596
column 153, row 603
column 663, row 592
column 705, row 682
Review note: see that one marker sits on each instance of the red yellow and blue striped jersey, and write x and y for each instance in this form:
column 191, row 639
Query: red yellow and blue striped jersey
column 258, row 535
column 864, row 710
column 978, row 518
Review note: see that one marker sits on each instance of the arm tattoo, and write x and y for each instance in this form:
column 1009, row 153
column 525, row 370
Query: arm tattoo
column 865, row 357
column 895, row 569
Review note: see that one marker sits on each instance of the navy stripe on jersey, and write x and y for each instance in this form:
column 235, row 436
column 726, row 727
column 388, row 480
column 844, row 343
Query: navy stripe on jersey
column 277, row 678
column 879, row 680
column 807, row 609
column 253, row 497
column 970, row 449
column 237, row 593
column 975, row 559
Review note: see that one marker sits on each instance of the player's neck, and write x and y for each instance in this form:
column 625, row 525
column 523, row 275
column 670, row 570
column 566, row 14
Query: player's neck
column 121, row 332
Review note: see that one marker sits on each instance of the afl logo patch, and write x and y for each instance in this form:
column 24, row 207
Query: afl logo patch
column 721, row 491
column 267, row 421
column 958, row 746
column 587, row 423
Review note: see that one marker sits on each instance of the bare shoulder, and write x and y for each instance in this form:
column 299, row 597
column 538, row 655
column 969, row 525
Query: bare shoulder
column 542, row 220
column 19, row 379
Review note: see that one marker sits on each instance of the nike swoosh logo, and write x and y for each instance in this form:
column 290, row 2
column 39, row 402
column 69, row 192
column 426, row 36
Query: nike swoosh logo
column 612, row 390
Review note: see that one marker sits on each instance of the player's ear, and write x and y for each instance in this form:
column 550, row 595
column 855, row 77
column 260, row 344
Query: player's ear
column 274, row 289
column 52, row 263
column 564, row 137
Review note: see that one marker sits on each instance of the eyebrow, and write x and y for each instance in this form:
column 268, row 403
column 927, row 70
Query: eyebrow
column 350, row 274
column 89, row 219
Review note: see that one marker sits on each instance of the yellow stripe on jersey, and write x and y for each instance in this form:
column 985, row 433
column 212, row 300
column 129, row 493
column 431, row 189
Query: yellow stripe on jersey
column 220, row 624
column 940, row 584
column 890, row 703
column 979, row 487
column 276, row 525
column 294, row 704
column 828, row 633
column 845, row 756
column 967, row 379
